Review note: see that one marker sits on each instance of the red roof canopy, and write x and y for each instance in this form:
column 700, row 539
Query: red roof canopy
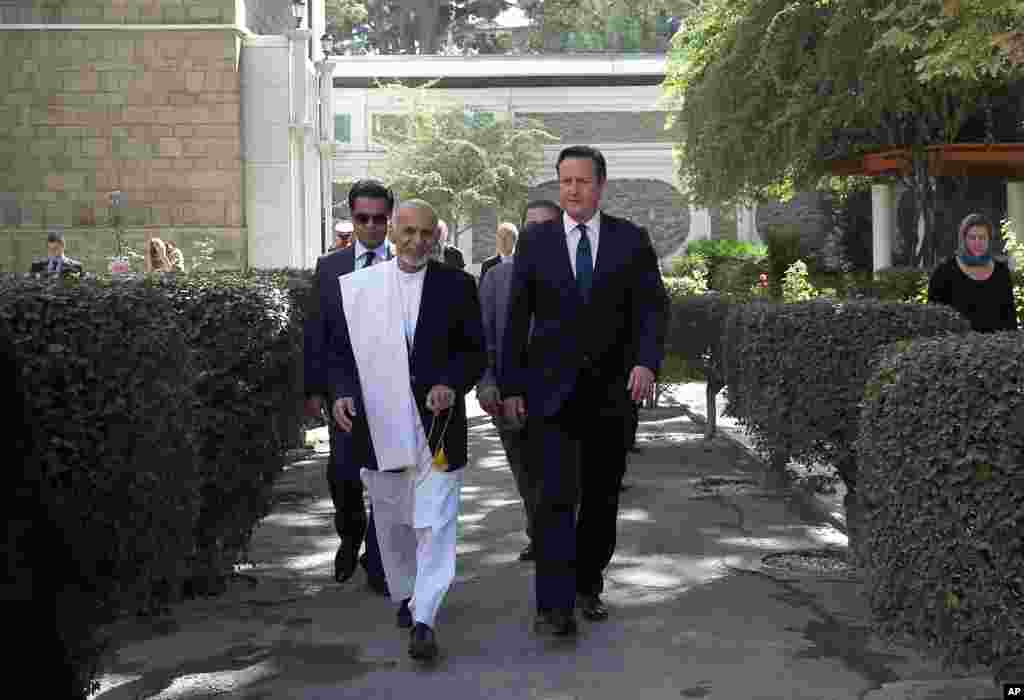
column 978, row 159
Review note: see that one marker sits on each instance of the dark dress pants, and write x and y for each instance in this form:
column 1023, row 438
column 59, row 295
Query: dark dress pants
column 515, row 444
column 350, row 519
column 580, row 454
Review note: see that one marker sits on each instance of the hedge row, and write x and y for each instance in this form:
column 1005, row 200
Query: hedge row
column 941, row 485
column 922, row 419
column 796, row 372
column 165, row 406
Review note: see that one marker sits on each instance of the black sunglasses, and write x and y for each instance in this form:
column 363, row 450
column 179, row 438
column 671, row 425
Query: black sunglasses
column 378, row 219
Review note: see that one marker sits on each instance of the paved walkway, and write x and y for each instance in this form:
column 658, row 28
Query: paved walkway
column 696, row 611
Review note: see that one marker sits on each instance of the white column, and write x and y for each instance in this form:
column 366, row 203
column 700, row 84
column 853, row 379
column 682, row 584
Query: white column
column 324, row 71
column 300, row 119
column 746, row 224
column 883, row 225
column 266, row 118
column 700, row 225
column 1015, row 211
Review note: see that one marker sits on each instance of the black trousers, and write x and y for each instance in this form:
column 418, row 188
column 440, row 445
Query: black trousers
column 515, row 443
column 350, row 519
column 580, row 454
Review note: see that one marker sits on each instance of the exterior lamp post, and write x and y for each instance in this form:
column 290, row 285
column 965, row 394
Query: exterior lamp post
column 119, row 263
column 325, row 104
column 298, row 11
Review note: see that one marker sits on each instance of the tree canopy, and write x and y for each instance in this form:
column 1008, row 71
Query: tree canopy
column 767, row 91
column 970, row 39
column 603, row 24
column 458, row 159
column 408, row 26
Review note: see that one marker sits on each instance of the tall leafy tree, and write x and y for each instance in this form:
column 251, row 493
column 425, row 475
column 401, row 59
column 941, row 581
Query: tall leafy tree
column 457, row 159
column 409, row 26
column 970, row 39
column 768, row 91
column 603, row 24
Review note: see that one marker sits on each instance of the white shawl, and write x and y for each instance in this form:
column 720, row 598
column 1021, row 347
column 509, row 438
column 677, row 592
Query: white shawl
column 373, row 312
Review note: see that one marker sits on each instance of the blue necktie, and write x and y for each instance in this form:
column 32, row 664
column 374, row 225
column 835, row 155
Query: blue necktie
column 368, row 257
column 584, row 264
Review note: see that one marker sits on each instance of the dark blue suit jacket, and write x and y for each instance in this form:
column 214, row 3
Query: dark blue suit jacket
column 448, row 349
column 325, row 294
column 622, row 326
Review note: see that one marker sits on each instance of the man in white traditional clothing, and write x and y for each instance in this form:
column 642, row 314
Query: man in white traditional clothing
column 410, row 347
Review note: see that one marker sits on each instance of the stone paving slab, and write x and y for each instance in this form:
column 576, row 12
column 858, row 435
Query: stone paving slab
column 695, row 611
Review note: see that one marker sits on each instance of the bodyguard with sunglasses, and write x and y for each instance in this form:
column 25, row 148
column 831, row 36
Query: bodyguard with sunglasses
column 371, row 204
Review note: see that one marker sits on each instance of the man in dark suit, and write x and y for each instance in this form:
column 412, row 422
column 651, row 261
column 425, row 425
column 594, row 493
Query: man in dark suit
column 504, row 244
column 371, row 204
column 409, row 347
column 494, row 297
column 56, row 263
column 592, row 284
column 448, row 254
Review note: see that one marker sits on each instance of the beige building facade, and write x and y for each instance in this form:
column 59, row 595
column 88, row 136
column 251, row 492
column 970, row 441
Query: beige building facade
column 144, row 97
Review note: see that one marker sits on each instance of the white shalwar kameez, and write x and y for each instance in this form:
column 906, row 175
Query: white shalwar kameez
column 416, row 511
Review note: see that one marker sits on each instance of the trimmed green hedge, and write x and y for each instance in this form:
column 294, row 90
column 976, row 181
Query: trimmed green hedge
column 941, row 484
column 168, row 403
column 796, row 372
column 107, row 370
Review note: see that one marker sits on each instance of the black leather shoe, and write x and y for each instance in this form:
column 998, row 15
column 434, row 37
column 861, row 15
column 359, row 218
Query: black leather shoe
column 377, row 584
column 561, row 623
column 422, row 643
column 404, row 615
column 591, row 607
column 527, row 553
column 345, row 562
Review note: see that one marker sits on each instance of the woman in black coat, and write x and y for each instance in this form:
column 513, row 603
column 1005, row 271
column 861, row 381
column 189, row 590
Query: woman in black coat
column 974, row 284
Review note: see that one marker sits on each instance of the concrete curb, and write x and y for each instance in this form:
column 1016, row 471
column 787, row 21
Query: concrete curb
column 809, row 501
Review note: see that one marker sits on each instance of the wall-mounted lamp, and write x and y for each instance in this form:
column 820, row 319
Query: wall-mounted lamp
column 298, row 11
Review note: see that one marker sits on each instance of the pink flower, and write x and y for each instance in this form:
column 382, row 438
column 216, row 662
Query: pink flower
column 764, row 279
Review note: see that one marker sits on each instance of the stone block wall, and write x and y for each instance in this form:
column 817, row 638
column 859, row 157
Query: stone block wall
column 154, row 114
column 653, row 204
column 603, row 127
column 19, row 246
column 117, row 11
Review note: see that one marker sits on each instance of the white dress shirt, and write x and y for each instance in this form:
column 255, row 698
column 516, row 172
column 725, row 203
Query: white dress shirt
column 572, row 236
column 380, row 253
column 410, row 291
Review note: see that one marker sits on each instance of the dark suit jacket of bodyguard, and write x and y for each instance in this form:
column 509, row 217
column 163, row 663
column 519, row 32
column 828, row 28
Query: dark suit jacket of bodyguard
column 448, row 349
column 326, row 293
column 622, row 326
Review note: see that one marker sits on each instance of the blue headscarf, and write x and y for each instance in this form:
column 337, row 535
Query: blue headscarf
column 961, row 251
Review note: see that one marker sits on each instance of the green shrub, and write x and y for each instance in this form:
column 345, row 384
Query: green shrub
column 169, row 402
column 109, row 374
column 940, row 452
column 676, row 370
column 909, row 284
column 796, row 372
column 689, row 274
column 797, row 287
column 695, row 333
column 727, row 249
column 728, row 253
column 1014, row 248
column 783, row 251
column 247, row 331
column 738, row 280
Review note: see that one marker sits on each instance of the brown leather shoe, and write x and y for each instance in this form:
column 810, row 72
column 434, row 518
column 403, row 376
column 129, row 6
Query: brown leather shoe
column 591, row 607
